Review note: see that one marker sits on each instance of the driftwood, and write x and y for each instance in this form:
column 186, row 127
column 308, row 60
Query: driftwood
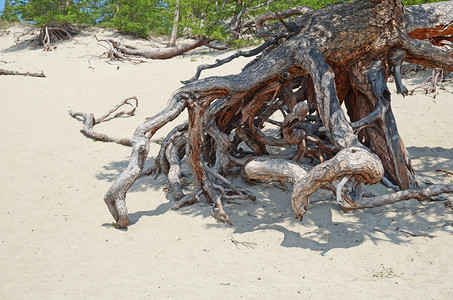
column 117, row 50
column 342, row 53
column 32, row 74
column 89, row 121
column 430, row 85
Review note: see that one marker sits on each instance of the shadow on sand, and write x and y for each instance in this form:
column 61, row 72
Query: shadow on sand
column 325, row 227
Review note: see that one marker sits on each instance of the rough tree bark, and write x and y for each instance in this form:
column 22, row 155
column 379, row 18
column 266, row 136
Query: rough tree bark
column 342, row 53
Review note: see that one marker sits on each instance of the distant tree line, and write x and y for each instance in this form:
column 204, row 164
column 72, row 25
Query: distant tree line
column 221, row 20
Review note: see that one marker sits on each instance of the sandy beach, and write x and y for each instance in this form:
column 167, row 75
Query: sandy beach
column 56, row 238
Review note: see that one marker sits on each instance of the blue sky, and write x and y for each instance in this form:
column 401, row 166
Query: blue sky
column 2, row 4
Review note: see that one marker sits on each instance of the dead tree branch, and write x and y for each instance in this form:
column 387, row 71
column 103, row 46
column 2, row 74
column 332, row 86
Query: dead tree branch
column 32, row 74
column 89, row 121
column 117, row 50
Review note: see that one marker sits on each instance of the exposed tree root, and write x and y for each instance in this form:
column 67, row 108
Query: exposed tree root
column 223, row 61
column 52, row 33
column 297, row 85
column 114, row 54
column 8, row 72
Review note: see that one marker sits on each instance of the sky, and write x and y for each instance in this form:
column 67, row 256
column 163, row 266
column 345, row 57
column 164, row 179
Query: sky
column 2, row 5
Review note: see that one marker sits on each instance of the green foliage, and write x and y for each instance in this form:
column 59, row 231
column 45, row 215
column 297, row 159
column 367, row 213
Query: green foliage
column 40, row 12
column 140, row 17
column 415, row 2
column 8, row 13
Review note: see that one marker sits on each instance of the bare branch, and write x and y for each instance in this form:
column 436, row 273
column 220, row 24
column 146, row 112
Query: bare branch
column 89, row 122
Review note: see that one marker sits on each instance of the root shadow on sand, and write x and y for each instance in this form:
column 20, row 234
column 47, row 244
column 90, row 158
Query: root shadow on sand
column 326, row 226
column 23, row 45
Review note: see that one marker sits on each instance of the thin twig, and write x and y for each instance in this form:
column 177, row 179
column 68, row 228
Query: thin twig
column 246, row 244
column 415, row 235
column 445, row 171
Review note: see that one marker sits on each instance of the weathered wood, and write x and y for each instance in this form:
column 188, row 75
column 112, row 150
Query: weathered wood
column 17, row 73
column 125, row 52
column 115, row 198
column 89, row 121
column 342, row 53
column 54, row 32
column 429, row 20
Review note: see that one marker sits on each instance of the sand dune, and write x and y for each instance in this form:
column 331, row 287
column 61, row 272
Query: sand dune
column 55, row 235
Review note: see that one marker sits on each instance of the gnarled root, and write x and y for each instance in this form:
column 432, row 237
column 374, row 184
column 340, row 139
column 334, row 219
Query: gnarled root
column 89, row 121
column 418, row 193
column 351, row 163
column 356, row 162
column 115, row 198
column 227, row 116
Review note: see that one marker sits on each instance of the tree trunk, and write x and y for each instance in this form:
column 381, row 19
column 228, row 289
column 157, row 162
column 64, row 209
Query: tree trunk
column 174, row 31
column 342, row 53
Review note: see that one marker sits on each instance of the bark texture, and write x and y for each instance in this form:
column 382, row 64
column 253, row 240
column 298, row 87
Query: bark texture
column 342, row 53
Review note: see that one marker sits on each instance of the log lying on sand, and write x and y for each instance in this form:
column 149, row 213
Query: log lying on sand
column 32, row 74
column 117, row 50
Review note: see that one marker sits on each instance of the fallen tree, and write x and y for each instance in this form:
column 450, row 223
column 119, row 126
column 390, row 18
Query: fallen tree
column 236, row 27
column 117, row 50
column 342, row 53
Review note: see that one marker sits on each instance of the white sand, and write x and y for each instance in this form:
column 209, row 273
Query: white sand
column 55, row 241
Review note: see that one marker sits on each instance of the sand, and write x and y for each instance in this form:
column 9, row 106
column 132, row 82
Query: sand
column 56, row 239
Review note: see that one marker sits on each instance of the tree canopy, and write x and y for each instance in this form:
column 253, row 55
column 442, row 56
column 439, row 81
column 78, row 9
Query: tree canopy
column 215, row 19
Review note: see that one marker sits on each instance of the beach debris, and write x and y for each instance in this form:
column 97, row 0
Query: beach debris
column 32, row 74
column 383, row 272
column 89, row 121
column 116, row 50
column 307, row 68
column 430, row 85
column 445, row 171
column 415, row 235
column 249, row 245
